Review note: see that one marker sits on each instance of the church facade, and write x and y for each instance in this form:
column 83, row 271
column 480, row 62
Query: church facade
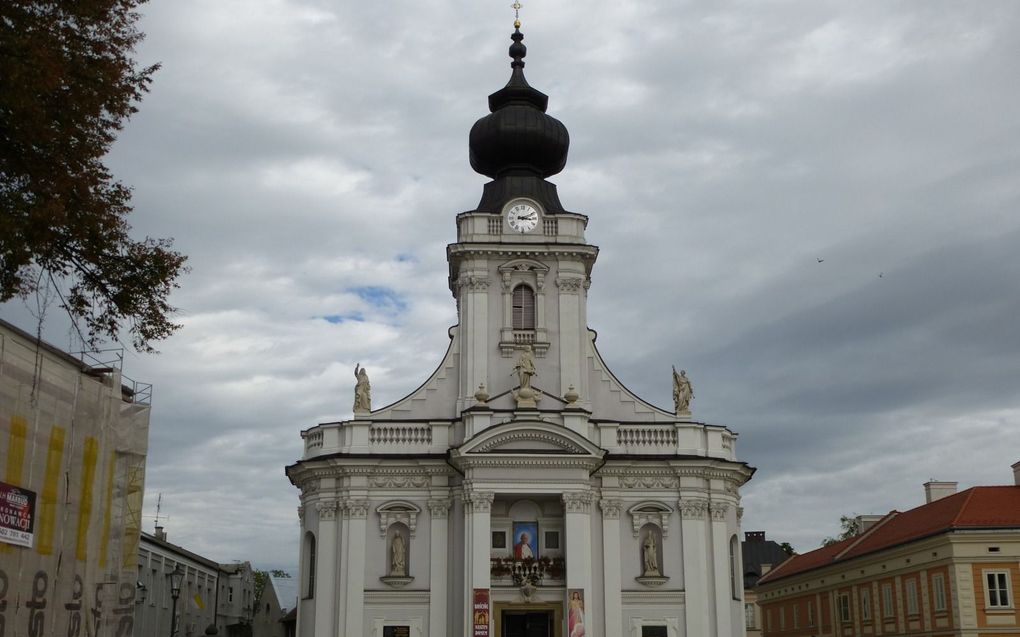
column 522, row 490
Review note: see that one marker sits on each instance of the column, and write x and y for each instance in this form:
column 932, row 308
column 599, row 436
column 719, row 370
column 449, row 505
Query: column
column 477, row 566
column 438, row 572
column 694, row 537
column 611, row 564
column 325, row 568
column 357, row 513
column 577, row 508
column 722, row 568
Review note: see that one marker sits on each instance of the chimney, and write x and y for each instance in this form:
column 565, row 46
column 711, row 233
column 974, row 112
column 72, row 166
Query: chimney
column 1016, row 474
column 865, row 522
column 759, row 536
column 935, row 490
column 160, row 533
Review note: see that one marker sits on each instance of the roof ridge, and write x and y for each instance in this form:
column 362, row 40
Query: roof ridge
column 963, row 507
column 866, row 534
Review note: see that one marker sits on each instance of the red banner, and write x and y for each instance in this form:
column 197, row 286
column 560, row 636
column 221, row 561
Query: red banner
column 480, row 612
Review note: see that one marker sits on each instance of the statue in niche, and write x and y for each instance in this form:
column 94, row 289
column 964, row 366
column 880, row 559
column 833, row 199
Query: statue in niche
column 362, row 390
column 683, row 391
column 398, row 556
column 650, row 556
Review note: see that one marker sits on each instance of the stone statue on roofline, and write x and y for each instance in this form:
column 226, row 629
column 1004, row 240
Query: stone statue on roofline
column 683, row 392
column 525, row 396
column 362, row 391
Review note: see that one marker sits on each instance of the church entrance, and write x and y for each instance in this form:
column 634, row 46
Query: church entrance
column 522, row 623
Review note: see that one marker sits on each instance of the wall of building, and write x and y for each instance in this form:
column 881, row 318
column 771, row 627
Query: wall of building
column 72, row 436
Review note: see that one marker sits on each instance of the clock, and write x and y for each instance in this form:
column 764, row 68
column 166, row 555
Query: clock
column 522, row 217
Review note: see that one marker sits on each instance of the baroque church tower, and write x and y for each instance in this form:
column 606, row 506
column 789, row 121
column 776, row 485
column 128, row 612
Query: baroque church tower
column 522, row 490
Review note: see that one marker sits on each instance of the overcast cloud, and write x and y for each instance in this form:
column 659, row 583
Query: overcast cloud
column 310, row 157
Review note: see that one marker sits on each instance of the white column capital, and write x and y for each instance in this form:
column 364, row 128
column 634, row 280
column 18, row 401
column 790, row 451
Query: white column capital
column 327, row 510
column 693, row 508
column 477, row 501
column 439, row 508
column 577, row 501
column 611, row 508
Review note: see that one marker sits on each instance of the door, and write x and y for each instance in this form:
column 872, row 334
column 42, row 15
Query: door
column 527, row 624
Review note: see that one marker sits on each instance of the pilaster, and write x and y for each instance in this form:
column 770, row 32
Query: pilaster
column 473, row 301
column 721, row 567
column 477, row 566
column 357, row 524
column 577, row 508
column 611, row 564
column 694, row 538
column 439, row 509
column 326, row 568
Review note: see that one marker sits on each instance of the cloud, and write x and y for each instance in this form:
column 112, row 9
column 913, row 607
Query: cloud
column 311, row 158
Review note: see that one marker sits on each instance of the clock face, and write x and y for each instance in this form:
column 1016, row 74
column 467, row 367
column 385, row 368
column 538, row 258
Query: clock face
column 522, row 217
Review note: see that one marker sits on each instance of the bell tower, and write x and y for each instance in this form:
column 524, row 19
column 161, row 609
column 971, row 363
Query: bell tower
column 521, row 267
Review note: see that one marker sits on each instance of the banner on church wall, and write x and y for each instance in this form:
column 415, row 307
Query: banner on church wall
column 17, row 515
column 480, row 612
column 575, row 616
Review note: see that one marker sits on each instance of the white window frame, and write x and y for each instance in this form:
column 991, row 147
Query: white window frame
column 911, row 592
column 750, row 616
column 844, row 608
column 782, row 618
column 1004, row 591
column 796, row 616
column 865, row 605
column 810, row 614
column 888, row 608
column 938, row 585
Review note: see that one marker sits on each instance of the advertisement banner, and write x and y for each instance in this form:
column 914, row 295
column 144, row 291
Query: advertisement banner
column 480, row 612
column 17, row 515
column 575, row 616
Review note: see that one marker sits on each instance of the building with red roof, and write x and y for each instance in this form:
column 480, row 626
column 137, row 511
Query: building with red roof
column 948, row 567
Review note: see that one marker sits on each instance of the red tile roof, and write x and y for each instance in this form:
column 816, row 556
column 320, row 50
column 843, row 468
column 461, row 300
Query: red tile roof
column 975, row 508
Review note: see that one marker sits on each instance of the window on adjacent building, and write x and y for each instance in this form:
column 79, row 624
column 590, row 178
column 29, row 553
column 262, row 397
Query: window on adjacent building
column 938, row 585
column 523, row 308
column 734, row 587
column 997, row 589
column 865, row 605
column 810, row 614
column 796, row 616
column 887, row 603
column 844, row 608
column 782, row 618
column 749, row 616
column 911, row 585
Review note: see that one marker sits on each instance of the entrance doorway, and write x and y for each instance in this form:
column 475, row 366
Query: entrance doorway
column 527, row 623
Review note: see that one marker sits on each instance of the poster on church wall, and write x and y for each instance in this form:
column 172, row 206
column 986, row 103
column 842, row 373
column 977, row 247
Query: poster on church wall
column 480, row 612
column 525, row 540
column 575, row 613
column 17, row 515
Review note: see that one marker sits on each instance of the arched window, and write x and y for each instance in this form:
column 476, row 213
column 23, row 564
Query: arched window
column 734, row 543
column 523, row 308
column 309, row 564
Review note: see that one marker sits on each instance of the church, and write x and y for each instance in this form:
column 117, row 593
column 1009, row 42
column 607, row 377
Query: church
column 522, row 490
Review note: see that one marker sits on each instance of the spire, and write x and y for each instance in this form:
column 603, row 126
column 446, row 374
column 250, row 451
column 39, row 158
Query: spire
column 517, row 144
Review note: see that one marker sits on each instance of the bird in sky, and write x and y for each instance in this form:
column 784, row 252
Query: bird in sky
column 820, row 260
column 880, row 275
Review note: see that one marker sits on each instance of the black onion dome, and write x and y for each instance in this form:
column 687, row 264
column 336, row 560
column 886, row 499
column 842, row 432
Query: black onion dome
column 517, row 137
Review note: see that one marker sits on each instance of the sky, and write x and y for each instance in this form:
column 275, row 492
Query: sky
column 811, row 206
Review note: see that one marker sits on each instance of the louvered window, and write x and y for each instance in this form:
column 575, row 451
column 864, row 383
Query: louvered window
column 524, row 308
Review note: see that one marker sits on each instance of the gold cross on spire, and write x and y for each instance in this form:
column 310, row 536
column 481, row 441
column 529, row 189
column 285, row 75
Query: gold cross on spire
column 517, row 13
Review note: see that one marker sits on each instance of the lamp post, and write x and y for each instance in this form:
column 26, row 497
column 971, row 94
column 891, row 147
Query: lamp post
column 175, row 591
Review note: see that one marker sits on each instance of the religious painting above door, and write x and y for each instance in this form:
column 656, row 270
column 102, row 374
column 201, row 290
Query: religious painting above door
column 525, row 540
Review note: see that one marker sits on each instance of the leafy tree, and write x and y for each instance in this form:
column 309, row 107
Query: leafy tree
column 68, row 83
column 849, row 527
column 788, row 548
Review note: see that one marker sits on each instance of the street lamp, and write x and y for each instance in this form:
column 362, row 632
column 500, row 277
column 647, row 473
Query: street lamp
column 175, row 591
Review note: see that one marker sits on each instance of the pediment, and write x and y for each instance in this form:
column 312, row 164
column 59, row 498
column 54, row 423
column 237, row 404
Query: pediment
column 530, row 438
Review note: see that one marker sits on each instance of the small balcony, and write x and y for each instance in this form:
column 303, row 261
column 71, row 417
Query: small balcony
column 528, row 571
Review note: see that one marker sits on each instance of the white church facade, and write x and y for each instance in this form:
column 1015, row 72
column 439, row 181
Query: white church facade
column 522, row 490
